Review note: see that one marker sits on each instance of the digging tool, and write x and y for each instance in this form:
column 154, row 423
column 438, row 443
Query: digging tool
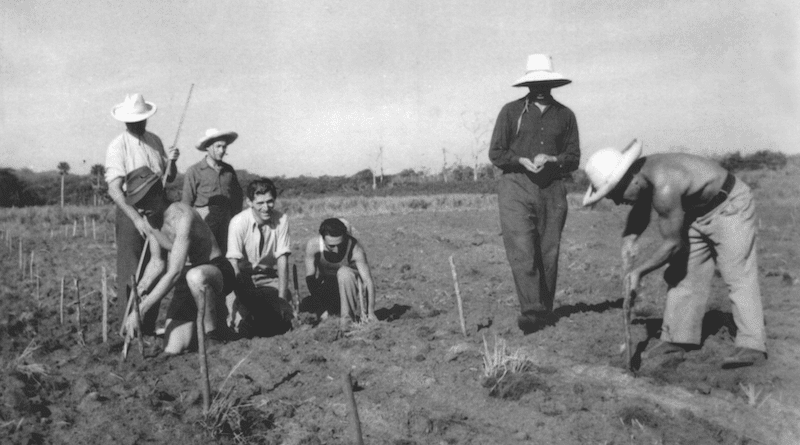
column 627, row 299
column 139, row 269
column 347, row 386
column 128, row 335
column 205, row 386
column 177, row 134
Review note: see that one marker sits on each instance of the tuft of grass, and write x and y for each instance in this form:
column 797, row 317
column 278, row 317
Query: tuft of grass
column 755, row 397
column 226, row 415
column 25, row 366
column 501, row 362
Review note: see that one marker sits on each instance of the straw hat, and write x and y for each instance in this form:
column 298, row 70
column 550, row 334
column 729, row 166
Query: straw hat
column 134, row 109
column 540, row 71
column 606, row 167
column 138, row 183
column 213, row 135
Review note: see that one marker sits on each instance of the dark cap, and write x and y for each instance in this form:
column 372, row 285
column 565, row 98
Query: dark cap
column 138, row 183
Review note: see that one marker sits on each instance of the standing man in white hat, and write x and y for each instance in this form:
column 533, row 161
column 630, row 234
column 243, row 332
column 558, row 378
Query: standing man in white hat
column 535, row 143
column 706, row 217
column 211, row 185
column 133, row 149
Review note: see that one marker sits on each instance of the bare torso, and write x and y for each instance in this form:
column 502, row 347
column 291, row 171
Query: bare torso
column 202, row 245
column 697, row 179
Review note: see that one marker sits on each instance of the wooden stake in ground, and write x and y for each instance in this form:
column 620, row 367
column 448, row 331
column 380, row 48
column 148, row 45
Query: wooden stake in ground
column 138, row 309
column 296, row 296
column 362, row 301
column 31, row 267
column 74, row 228
column 104, row 288
column 627, row 260
column 458, row 297
column 78, row 312
column 21, row 260
column 61, row 306
column 94, row 230
column 205, row 386
column 347, row 386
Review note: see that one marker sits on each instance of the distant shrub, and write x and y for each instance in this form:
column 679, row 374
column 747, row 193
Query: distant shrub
column 764, row 159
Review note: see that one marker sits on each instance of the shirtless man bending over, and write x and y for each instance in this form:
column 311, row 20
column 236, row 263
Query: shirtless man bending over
column 178, row 233
column 706, row 218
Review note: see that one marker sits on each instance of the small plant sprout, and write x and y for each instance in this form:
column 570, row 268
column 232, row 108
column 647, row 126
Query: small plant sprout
column 500, row 362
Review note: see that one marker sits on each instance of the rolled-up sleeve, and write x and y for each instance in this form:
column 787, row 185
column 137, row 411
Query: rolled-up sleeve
column 237, row 231
column 283, row 243
column 115, row 160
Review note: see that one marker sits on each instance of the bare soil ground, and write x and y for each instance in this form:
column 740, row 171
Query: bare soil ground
column 417, row 379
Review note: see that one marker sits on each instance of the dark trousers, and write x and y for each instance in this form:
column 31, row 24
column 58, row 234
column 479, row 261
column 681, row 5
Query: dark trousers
column 532, row 217
column 129, row 247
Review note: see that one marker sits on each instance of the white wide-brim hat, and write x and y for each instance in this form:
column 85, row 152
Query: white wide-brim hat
column 540, row 71
column 606, row 167
column 134, row 109
column 213, row 135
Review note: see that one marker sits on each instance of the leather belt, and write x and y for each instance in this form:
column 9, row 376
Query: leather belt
column 727, row 186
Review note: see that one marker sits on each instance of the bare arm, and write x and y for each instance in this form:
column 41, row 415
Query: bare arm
column 175, row 263
column 671, row 218
column 155, row 266
column 360, row 258
column 312, row 250
column 283, row 277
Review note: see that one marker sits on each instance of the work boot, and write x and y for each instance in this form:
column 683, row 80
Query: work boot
column 530, row 322
column 742, row 357
column 662, row 348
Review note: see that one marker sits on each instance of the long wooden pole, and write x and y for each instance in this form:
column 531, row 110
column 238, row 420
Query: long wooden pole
column 458, row 297
column 78, row 312
column 177, row 134
column 205, row 386
column 347, row 386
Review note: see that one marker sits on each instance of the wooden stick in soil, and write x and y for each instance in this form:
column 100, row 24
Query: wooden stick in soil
column 205, row 386
column 74, row 228
column 458, row 297
column 129, row 305
column 347, row 386
column 21, row 261
column 296, row 296
column 94, row 230
column 61, row 305
column 78, row 312
column 104, row 287
column 31, row 267
column 627, row 259
column 135, row 290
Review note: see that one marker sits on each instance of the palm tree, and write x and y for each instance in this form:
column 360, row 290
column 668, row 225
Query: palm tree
column 97, row 172
column 63, row 169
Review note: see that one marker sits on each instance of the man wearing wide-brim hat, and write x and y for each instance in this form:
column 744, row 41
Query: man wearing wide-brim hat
column 706, row 217
column 211, row 185
column 134, row 148
column 535, row 143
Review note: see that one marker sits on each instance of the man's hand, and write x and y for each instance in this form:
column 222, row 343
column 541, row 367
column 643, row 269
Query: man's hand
column 142, row 226
column 173, row 153
column 131, row 327
column 530, row 165
column 537, row 164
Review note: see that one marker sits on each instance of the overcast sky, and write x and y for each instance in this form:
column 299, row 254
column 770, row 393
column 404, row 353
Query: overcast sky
column 318, row 87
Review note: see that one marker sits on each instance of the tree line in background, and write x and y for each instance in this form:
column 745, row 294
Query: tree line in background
column 21, row 188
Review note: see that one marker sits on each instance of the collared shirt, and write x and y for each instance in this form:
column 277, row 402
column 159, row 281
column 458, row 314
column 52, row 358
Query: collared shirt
column 127, row 152
column 522, row 130
column 258, row 247
column 204, row 185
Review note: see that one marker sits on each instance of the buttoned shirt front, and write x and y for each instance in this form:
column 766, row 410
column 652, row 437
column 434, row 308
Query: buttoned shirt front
column 258, row 247
column 522, row 130
column 203, row 185
column 127, row 152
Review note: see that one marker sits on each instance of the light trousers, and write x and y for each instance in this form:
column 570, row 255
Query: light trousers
column 725, row 238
